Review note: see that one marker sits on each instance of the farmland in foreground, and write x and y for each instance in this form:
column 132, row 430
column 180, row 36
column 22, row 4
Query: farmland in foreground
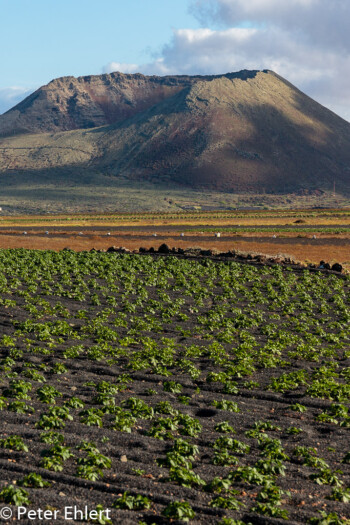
column 304, row 235
column 169, row 388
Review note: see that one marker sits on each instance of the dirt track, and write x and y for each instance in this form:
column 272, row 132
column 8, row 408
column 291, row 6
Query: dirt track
column 330, row 248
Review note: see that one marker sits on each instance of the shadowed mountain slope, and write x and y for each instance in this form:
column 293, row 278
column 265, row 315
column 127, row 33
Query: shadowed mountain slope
column 242, row 132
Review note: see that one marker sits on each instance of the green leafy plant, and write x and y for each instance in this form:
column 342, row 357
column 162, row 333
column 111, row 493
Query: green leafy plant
column 326, row 476
column 130, row 502
column 51, row 437
column 14, row 496
column 172, row 386
column 33, row 480
column 340, row 494
column 226, row 404
column 270, row 509
column 328, row 519
column 124, row 421
column 91, row 417
column 20, row 407
column 224, row 427
column 185, row 477
column 179, row 510
column 228, row 502
column 13, row 443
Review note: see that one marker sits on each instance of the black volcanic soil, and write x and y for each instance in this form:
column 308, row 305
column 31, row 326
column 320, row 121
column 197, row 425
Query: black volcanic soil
column 38, row 350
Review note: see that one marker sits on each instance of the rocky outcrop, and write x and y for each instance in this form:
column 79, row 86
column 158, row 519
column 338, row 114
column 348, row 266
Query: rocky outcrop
column 69, row 103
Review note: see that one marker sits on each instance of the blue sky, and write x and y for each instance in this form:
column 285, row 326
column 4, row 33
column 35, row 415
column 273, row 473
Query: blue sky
column 44, row 39
column 306, row 41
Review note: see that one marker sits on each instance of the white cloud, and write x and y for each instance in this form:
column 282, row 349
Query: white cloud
column 11, row 96
column 122, row 68
column 205, row 51
column 233, row 11
column 320, row 22
column 305, row 41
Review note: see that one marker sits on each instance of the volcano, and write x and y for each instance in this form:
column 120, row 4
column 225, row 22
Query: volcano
column 250, row 131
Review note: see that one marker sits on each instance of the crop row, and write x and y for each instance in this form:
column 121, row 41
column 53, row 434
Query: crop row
column 173, row 388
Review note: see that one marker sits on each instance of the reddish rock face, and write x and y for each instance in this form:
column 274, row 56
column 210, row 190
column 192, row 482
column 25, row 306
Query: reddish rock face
column 86, row 102
column 250, row 131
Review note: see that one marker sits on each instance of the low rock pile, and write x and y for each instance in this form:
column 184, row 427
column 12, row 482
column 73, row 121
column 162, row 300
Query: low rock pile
column 253, row 258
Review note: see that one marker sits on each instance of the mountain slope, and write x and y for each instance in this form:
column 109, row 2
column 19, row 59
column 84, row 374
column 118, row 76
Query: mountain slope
column 244, row 132
column 86, row 102
column 233, row 134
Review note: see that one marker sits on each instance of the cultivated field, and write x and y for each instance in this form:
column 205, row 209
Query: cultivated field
column 304, row 235
column 165, row 389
